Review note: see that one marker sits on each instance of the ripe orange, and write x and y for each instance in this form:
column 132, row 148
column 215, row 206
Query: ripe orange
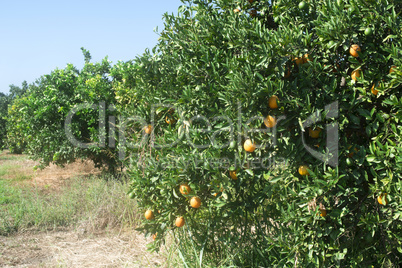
column 382, row 199
column 180, row 222
column 355, row 74
column 249, row 146
column 314, row 133
column 215, row 194
column 149, row 215
column 170, row 120
column 233, row 174
column 148, row 129
column 236, row 10
column 273, row 102
column 373, row 90
column 306, row 58
column 303, row 170
column 270, row 121
column 392, row 69
column 298, row 60
column 323, row 212
column 195, row 202
column 185, row 189
column 354, row 49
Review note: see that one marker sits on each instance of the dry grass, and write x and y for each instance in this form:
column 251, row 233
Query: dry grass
column 19, row 168
column 72, row 249
column 69, row 217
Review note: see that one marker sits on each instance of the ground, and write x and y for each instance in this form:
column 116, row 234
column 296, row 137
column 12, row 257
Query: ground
column 72, row 249
column 69, row 247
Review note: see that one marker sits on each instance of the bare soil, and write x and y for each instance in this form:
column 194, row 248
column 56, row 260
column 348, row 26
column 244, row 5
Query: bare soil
column 52, row 177
column 69, row 248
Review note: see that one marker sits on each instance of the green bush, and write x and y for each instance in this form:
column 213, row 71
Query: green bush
column 40, row 118
column 3, row 113
column 212, row 74
column 5, row 102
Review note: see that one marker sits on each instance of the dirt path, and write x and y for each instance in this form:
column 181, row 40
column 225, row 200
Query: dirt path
column 68, row 248
column 71, row 249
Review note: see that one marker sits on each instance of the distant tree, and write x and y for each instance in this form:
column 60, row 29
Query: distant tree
column 16, row 92
column 5, row 102
column 3, row 113
column 38, row 119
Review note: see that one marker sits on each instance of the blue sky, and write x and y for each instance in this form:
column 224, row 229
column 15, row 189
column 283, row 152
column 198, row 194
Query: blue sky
column 38, row 36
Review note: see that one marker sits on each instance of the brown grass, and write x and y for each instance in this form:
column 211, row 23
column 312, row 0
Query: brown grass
column 72, row 249
column 101, row 239
column 52, row 176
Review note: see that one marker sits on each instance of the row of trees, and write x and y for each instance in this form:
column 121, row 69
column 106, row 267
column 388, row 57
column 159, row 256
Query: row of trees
column 63, row 116
column 314, row 87
column 6, row 100
column 303, row 197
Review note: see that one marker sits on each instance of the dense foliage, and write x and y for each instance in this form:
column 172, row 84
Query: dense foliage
column 5, row 101
column 205, row 89
column 264, row 133
column 3, row 116
column 40, row 118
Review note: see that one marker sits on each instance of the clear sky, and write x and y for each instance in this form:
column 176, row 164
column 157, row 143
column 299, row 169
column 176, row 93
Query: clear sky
column 38, row 36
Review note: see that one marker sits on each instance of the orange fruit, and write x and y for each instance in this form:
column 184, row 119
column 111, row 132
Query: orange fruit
column 185, row 189
column 233, row 174
column 314, row 133
column 195, row 202
column 154, row 236
column 303, row 170
column 249, row 146
column 287, row 74
column 270, row 121
column 355, row 74
column 215, row 194
column 149, row 215
column 306, row 58
column 392, row 69
column 323, row 212
column 180, row 221
column 273, row 102
column 236, row 10
column 148, row 129
column 298, row 60
column 382, row 199
column 170, row 120
column 350, row 155
column 354, row 49
column 373, row 90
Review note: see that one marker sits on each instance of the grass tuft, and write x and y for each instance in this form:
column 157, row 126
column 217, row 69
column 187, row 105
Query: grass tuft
column 88, row 203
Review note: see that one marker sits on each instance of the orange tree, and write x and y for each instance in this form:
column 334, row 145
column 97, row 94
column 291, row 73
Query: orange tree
column 5, row 102
column 304, row 189
column 67, row 98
